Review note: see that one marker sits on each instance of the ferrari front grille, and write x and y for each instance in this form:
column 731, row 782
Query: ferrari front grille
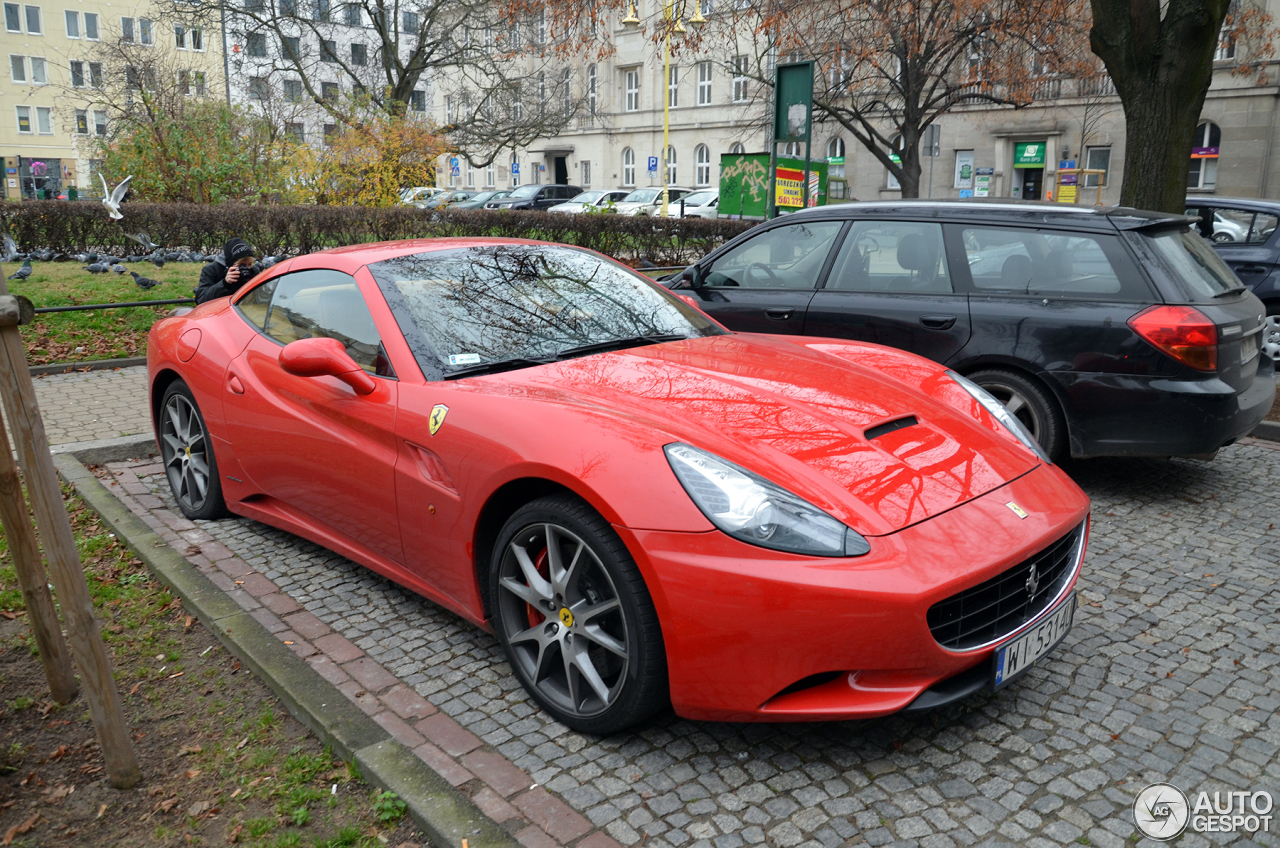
column 993, row 609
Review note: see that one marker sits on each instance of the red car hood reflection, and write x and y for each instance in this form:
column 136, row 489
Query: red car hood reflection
column 797, row 417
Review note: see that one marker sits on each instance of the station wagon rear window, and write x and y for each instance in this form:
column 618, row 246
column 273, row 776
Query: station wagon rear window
column 1192, row 262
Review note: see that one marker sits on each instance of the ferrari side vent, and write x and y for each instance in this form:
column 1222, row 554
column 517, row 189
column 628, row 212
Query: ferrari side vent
column 890, row 426
column 993, row 609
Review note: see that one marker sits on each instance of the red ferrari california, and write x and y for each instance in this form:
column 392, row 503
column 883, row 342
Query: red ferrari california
column 644, row 507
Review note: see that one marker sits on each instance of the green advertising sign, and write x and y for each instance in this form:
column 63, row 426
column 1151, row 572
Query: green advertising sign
column 793, row 102
column 744, row 183
column 1028, row 154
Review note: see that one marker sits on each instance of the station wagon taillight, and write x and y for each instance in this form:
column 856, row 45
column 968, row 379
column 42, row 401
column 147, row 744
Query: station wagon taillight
column 1182, row 332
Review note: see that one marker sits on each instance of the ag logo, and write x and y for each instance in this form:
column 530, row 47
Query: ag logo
column 1161, row 811
column 436, row 421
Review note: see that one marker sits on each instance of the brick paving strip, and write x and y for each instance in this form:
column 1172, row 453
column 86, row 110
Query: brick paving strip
column 1171, row 673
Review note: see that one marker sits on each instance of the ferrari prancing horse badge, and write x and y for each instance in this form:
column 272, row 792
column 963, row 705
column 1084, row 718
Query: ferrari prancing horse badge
column 438, row 412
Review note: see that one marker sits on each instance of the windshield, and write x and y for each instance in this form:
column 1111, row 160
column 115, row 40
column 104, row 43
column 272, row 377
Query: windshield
column 588, row 197
column 698, row 198
column 524, row 192
column 1192, row 261
column 641, row 195
column 475, row 306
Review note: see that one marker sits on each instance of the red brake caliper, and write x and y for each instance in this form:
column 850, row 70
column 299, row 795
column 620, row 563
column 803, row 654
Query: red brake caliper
column 535, row 615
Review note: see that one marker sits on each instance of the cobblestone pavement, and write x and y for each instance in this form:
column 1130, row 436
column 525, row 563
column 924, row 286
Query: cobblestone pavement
column 1170, row 673
column 84, row 406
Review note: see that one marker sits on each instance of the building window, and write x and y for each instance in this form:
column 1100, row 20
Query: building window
column 82, row 122
column 320, row 11
column 200, row 85
column 702, row 169
column 541, row 30
column 517, row 105
column 359, row 55
column 329, row 92
column 126, row 30
column 490, row 173
column 91, row 26
column 145, row 34
column 197, row 38
column 330, row 133
column 184, row 82
column 352, row 17
column 95, row 75
column 704, row 83
column 180, row 36
column 471, row 175
column 33, row 20
column 586, row 174
column 566, row 92
column 592, row 77
column 704, row 7
column 100, row 123
column 12, row 17
column 293, row 90
column 633, row 93
column 628, row 167
column 291, row 46
column 24, row 119
column 418, row 100
column 837, row 188
column 741, row 64
column 18, row 68
column 296, row 132
column 39, row 71
column 515, row 35
column 736, row 149
column 259, row 89
column 255, row 45
column 410, row 22
column 77, row 74
column 542, row 94
column 448, row 109
column 328, row 51
column 1097, row 159
column 44, row 120
column 73, row 26
column 515, row 170
column 671, row 165
column 1203, row 173
column 673, row 87
column 288, row 8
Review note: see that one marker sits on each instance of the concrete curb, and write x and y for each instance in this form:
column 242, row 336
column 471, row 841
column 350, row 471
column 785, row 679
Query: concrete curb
column 108, row 450
column 91, row 365
column 444, row 813
column 1269, row 430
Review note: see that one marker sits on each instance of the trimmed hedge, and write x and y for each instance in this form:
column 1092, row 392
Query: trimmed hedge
column 72, row 227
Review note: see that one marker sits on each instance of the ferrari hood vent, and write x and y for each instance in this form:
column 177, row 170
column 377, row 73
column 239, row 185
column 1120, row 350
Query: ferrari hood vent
column 890, row 426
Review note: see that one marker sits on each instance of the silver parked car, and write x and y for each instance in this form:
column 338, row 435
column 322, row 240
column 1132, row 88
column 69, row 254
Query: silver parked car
column 595, row 200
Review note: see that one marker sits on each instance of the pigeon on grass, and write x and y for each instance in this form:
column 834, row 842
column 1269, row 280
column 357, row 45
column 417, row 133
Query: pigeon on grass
column 23, row 272
column 144, row 282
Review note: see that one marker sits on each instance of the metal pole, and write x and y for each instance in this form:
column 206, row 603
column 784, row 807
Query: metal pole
column 770, row 200
column 667, row 13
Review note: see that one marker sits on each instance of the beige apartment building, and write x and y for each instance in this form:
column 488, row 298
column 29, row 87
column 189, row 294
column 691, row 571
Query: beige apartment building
column 982, row 151
column 69, row 66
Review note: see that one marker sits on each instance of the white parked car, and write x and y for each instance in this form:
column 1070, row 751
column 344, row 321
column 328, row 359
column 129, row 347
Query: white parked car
column 648, row 201
column 700, row 204
column 1227, row 231
column 598, row 200
column 420, row 194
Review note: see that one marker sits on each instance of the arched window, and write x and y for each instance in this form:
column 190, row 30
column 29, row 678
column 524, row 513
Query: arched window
column 737, row 148
column 489, row 173
column 702, row 173
column 671, row 165
column 835, row 148
column 515, row 170
column 1203, row 173
column 792, row 149
column 628, row 167
column 837, row 188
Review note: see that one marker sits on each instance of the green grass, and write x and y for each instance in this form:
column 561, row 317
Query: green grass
column 99, row 333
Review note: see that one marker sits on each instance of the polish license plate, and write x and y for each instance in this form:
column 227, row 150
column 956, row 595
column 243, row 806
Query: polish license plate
column 1018, row 656
column 1249, row 347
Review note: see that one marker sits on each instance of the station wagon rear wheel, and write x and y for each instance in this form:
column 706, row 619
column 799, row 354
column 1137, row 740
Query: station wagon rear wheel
column 574, row 616
column 1031, row 404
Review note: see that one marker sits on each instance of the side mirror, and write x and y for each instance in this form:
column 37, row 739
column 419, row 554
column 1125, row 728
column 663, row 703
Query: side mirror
column 690, row 275
column 325, row 358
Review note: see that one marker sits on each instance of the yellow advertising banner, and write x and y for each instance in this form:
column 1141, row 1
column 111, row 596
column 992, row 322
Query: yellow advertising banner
column 790, row 188
column 1066, row 194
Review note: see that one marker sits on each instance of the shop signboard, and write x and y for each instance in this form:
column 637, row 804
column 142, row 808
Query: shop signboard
column 964, row 169
column 1028, row 154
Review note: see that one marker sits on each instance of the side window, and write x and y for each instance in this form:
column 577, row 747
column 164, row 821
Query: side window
column 1048, row 262
column 253, row 306
column 1263, row 226
column 891, row 256
column 322, row 304
column 787, row 257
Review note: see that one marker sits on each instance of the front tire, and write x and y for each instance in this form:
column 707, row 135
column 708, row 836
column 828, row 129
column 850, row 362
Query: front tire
column 1271, row 332
column 575, row 618
column 1031, row 404
column 187, row 453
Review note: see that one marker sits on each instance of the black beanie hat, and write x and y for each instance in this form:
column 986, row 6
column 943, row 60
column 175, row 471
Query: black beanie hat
column 235, row 250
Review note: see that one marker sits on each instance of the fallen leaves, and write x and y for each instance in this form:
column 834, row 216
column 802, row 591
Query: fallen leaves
column 59, row 753
column 190, row 749
column 19, row 829
column 234, row 833
column 242, row 743
column 201, row 808
column 57, row 793
column 101, row 810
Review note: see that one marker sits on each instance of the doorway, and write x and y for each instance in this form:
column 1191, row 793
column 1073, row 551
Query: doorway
column 1032, row 183
column 562, row 171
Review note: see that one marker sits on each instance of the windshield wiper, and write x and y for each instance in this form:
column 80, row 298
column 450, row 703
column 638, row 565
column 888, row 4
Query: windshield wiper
column 499, row 366
column 618, row 344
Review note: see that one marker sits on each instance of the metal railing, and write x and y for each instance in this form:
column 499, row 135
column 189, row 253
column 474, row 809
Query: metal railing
column 88, row 306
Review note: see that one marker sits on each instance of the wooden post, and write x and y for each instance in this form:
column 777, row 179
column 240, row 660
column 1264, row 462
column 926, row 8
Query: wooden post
column 31, row 578
column 19, row 398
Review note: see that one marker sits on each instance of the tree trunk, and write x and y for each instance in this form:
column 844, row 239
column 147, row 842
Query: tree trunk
column 1162, row 67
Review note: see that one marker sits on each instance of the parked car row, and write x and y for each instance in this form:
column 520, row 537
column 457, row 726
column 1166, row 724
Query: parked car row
column 567, row 199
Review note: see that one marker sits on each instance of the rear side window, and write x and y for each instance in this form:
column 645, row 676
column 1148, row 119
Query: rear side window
column 1050, row 263
column 1191, row 261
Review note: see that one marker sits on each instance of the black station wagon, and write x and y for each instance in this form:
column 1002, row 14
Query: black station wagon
column 1108, row 331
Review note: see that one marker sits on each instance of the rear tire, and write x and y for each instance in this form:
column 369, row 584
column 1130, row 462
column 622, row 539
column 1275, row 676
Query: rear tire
column 187, row 453
column 1031, row 403
column 575, row 618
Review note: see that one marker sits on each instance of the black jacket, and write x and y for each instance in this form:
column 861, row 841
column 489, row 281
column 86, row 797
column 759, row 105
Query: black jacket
column 213, row 280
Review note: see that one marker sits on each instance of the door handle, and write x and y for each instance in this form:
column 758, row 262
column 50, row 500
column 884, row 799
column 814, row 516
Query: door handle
column 938, row 322
column 1252, row 269
column 778, row 313
column 233, row 383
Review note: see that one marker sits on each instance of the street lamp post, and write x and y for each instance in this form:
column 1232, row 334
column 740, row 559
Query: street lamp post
column 671, row 22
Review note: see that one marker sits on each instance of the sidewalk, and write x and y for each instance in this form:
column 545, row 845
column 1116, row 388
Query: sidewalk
column 92, row 406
